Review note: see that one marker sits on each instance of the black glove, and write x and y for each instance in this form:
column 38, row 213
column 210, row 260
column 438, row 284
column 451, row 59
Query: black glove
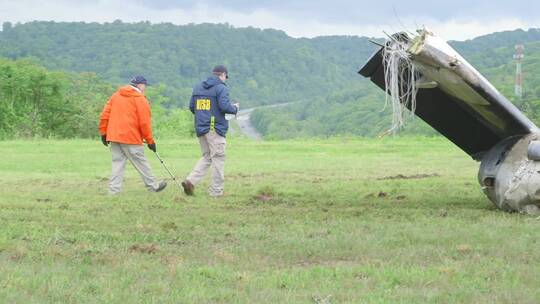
column 104, row 140
column 152, row 147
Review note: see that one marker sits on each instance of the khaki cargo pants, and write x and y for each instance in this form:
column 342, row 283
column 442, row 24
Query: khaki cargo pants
column 213, row 155
column 135, row 154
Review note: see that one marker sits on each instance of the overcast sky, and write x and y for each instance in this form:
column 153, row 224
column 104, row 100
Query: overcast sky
column 452, row 19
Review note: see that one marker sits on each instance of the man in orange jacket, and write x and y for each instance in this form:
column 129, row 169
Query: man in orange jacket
column 124, row 123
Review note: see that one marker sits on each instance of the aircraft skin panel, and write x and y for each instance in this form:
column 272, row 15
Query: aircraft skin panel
column 464, row 107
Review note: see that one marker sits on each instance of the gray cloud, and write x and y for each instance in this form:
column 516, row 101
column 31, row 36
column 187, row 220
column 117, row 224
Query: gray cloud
column 452, row 19
column 347, row 11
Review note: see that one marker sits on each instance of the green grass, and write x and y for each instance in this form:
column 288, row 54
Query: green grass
column 303, row 222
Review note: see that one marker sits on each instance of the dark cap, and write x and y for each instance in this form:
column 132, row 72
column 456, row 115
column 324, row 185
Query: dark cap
column 221, row 69
column 139, row 80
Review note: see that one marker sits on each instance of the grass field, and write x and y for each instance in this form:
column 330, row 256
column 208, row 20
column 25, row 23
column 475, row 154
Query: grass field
column 399, row 220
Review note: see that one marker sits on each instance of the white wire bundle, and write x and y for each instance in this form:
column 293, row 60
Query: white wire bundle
column 400, row 82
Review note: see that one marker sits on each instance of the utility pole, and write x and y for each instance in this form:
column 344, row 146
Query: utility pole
column 518, row 56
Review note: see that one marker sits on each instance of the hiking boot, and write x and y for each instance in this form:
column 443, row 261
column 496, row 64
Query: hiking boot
column 188, row 187
column 162, row 185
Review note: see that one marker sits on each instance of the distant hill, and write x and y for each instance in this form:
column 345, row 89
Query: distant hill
column 266, row 66
column 362, row 112
column 318, row 75
column 494, row 49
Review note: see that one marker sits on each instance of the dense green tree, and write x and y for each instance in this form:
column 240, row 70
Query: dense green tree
column 31, row 102
column 36, row 102
column 266, row 66
column 319, row 76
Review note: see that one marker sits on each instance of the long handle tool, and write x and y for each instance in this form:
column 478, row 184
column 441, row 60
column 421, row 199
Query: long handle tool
column 169, row 171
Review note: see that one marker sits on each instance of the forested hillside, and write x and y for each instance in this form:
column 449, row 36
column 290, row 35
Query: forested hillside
column 494, row 49
column 266, row 66
column 37, row 102
column 77, row 65
column 362, row 111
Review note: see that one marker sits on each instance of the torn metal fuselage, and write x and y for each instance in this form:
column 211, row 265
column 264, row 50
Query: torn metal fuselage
column 457, row 101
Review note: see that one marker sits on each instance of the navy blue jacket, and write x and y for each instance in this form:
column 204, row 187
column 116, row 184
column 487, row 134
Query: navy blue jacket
column 209, row 102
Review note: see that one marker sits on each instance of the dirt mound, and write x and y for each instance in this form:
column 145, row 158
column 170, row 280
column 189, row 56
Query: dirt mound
column 414, row 176
column 144, row 248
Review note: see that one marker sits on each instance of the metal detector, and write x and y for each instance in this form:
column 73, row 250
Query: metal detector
column 169, row 171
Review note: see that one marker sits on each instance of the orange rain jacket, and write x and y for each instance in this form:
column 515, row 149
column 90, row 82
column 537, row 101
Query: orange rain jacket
column 126, row 118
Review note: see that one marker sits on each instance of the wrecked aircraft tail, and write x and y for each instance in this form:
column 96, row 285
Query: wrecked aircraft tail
column 428, row 77
column 452, row 97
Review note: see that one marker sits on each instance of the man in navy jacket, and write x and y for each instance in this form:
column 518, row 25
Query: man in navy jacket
column 209, row 103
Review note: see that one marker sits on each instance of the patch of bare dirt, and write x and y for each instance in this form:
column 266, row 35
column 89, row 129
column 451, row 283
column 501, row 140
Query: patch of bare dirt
column 172, row 262
column 169, row 226
column 264, row 197
column 382, row 194
column 144, row 248
column 414, row 176
column 464, row 248
column 443, row 213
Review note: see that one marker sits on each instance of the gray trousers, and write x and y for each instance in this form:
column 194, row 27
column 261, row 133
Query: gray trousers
column 213, row 155
column 135, row 154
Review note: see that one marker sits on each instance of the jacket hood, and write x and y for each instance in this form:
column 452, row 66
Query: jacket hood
column 212, row 81
column 129, row 91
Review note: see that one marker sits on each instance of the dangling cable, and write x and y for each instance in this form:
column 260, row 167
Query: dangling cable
column 400, row 81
